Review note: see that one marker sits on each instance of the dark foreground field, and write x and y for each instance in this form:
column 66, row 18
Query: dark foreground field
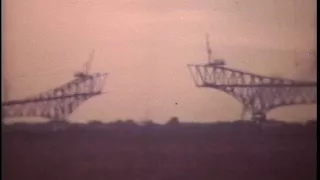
column 160, row 153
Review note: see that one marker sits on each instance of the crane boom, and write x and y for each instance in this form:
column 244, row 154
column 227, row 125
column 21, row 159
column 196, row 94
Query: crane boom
column 87, row 66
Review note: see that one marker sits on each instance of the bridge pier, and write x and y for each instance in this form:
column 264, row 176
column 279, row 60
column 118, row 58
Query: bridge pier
column 259, row 117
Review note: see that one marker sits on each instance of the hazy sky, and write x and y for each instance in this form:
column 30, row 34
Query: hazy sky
column 145, row 46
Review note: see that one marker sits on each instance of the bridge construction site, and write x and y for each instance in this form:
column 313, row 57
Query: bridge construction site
column 258, row 94
column 251, row 149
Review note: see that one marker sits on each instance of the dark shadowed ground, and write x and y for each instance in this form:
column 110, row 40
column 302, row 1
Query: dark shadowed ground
column 225, row 151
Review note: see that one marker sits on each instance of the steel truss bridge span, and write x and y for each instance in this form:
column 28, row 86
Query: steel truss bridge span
column 258, row 94
column 60, row 102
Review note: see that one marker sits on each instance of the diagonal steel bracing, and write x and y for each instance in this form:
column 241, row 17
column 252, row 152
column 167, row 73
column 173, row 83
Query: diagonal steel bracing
column 257, row 93
column 58, row 103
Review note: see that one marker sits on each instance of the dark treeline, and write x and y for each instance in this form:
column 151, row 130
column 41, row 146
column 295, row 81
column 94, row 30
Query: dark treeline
column 124, row 149
column 172, row 124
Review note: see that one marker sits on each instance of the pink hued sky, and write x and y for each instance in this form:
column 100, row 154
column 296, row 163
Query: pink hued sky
column 145, row 46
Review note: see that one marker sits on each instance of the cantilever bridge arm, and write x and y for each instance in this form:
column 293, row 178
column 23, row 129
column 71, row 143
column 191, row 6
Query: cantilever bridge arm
column 256, row 92
column 59, row 102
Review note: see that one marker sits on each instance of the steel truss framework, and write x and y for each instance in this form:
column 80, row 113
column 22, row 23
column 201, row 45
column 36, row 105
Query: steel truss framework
column 58, row 103
column 259, row 94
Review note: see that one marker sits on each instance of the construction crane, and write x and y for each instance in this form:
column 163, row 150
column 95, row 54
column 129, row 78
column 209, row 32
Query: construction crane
column 211, row 62
column 87, row 66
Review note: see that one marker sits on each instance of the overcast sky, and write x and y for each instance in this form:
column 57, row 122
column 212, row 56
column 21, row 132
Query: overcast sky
column 145, row 46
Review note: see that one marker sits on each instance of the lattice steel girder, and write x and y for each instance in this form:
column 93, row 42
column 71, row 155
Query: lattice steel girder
column 255, row 92
column 53, row 108
column 59, row 102
column 86, row 84
column 218, row 75
column 263, row 99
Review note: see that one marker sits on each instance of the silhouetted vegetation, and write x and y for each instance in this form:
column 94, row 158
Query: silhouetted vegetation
column 175, row 150
column 95, row 123
column 235, row 126
column 174, row 121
